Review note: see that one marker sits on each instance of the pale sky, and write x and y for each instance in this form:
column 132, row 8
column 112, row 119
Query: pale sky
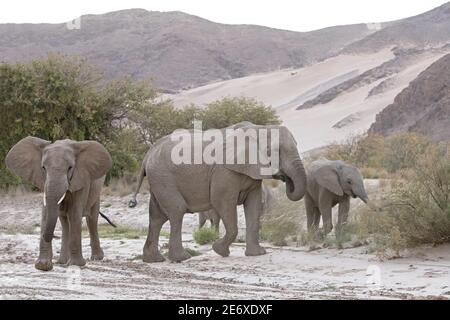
column 283, row 14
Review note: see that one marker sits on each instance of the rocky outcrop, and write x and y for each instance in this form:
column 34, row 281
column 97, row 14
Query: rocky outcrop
column 422, row 107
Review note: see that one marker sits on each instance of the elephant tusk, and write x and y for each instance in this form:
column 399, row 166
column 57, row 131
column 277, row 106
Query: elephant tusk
column 45, row 201
column 62, row 198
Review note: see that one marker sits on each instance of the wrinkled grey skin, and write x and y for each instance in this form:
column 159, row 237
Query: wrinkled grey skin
column 331, row 183
column 188, row 188
column 214, row 219
column 210, row 215
column 75, row 170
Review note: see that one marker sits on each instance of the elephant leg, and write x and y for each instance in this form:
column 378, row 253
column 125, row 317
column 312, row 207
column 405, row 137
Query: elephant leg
column 312, row 214
column 215, row 222
column 76, row 256
column 157, row 219
column 229, row 218
column 176, row 250
column 325, row 208
column 344, row 208
column 64, row 255
column 92, row 223
column 44, row 261
column 201, row 219
column 253, row 209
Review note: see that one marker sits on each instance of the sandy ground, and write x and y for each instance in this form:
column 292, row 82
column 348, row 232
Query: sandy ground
column 283, row 273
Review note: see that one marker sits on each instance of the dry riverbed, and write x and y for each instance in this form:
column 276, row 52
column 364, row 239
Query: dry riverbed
column 283, row 273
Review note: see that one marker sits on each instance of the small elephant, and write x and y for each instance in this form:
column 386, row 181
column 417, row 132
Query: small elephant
column 71, row 175
column 331, row 183
column 177, row 189
column 214, row 219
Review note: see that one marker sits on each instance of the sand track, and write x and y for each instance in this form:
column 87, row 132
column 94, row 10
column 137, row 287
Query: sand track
column 283, row 273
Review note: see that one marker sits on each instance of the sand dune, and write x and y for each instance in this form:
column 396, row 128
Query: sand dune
column 351, row 112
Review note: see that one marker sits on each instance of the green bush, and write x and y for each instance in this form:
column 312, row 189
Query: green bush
column 205, row 235
column 63, row 97
column 227, row 111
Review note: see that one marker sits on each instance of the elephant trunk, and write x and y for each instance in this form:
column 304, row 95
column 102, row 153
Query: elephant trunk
column 54, row 195
column 361, row 193
column 295, row 180
column 363, row 196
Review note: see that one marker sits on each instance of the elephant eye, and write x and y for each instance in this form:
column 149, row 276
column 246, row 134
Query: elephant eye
column 349, row 181
column 43, row 168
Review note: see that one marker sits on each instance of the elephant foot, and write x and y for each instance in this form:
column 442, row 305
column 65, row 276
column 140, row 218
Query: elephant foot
column 178, row 256
column 76, row 261
column 62, row 260
column 154, row 257
column 97, row 255
column 255, row 250
column 221, row 249
column 43, row 265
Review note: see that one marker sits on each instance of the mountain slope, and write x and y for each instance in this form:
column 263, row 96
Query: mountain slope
column 423, row 107
column 178, row 50
column 427, row 29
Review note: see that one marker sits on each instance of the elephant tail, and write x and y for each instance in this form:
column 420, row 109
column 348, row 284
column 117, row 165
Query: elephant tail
column 107, row 219
column 142, row 174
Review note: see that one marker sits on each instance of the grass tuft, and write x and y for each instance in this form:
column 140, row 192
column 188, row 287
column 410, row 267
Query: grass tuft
column 205, row 235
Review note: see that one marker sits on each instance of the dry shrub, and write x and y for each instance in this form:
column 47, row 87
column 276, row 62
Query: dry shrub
column 124, row 186
column 417, row 208
column 17, row 191
column 283, row 220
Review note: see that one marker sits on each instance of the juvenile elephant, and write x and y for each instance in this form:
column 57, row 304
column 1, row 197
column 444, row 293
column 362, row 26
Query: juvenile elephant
column 213, row 217
column 71, row 175
column 177, row 189
column 331, row 183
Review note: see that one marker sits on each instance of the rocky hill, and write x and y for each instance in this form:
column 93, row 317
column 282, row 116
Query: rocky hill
column 423, row 107
column 427, row 29
column 178, row 50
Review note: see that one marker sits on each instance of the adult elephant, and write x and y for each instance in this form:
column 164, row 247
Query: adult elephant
column 331, row 183
column 179, row 188
column 71, row 175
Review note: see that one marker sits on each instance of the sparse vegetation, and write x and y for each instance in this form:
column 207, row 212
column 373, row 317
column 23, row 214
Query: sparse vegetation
column 411, row 206
column 19, row 230
column 121, row 232
column 417, row 208
column 282, row 221
column 377, row 156
column 205, row 235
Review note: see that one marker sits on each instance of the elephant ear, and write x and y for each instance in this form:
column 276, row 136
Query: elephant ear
column 235, row 152
column 92, row 162
column 327, row 177
column 25, row 160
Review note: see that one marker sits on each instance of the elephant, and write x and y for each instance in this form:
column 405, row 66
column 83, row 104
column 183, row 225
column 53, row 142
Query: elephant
column 179, row 188
column 330, row 183
column 210, row 215
column 213, row 217
column 71, row 175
